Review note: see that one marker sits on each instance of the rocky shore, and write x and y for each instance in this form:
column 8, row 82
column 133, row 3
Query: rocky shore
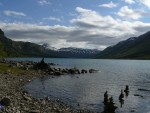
column 21, row 101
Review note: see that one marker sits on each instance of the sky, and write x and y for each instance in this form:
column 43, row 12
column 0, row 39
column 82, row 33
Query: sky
column 92, row 24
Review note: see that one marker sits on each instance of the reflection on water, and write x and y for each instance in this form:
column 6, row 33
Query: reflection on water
column 87, row 91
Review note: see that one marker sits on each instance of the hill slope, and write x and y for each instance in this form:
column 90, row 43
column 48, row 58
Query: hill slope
column 10, row 48
column 132, row 48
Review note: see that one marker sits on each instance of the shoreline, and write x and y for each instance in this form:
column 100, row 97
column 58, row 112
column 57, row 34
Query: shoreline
column 11, row 86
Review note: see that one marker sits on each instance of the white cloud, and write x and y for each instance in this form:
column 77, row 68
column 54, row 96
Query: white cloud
column 43, row 2
column 13, row 13
column 72, row 14
column 146, row 2
column 128, row 13
column 109, row 5
column 89, row 30
column 130, row 1
column 52, row 18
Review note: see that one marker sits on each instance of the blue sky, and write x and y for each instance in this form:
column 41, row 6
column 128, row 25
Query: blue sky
column 74, row 23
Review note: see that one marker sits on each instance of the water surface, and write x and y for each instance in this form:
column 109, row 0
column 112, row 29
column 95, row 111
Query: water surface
column 88, row 89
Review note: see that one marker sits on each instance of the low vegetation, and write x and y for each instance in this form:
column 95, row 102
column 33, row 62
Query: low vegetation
column 7, row 68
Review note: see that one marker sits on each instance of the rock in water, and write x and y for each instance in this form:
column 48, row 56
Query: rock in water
column 126, row 89
column 121, row 96
column 41, row 65
column 92, row 71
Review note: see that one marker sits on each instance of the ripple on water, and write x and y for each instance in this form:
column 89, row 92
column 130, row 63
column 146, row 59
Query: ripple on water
column 88, row 89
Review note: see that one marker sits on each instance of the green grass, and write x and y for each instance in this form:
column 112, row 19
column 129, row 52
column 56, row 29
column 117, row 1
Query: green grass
column 4, row 68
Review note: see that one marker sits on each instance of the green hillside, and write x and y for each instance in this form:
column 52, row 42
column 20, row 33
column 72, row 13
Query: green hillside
column 9, row 48
column 132, row 48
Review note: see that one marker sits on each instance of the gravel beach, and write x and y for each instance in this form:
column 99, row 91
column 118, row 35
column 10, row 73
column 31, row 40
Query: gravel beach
column 22, row 102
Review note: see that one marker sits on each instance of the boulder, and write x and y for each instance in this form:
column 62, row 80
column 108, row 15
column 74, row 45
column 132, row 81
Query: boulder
column 83, row 71
column 64, row 71
column 41, row 65
column 25, row 68
column 71, row 71
column 138, row 95
column 52, row 64
column 58, row 73
column 5, row 102
column 92, row 71
column 50, row 69
column 143, row 89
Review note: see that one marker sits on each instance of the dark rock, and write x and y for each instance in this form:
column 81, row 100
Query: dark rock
column 25, row 68
column 41, row 65
column 3, row 60
column 24, row 92
column 5, row 102
column 105, row 98
column 55, row 69
column 83, row 71
column 35, row 111
column 64, row 71
column 10, row 66
column 92, row 71
column 71, row 71
column 132, row 110
column 51, row 73
column 50, row 69
column 121, row 96
column 79, row 72
column 138, row 95
column 126, row 89
column 110, row 106
column 58, row 73
column 143, row 89
column 52, row 64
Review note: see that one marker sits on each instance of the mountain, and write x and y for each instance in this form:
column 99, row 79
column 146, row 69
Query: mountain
column 132, row 48
column 10, row 48
column 78, row 52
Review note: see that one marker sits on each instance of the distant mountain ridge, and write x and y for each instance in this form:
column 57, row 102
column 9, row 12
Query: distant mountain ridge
column 78, row 52
column 132, row 48
column 10, row 48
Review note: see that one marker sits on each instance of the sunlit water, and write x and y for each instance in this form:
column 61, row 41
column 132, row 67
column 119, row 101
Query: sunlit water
column 88, row 89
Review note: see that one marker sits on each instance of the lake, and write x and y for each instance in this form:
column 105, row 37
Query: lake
column 88, row 89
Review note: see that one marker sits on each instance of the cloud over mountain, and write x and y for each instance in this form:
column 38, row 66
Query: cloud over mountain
column 88, row 29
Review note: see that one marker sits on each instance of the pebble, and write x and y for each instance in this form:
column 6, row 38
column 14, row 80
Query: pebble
column 22, row 102
column 34, row 111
